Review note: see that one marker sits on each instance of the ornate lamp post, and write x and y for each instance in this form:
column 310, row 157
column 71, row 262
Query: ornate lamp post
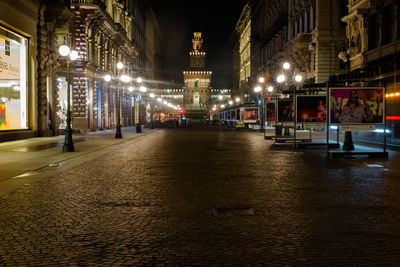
column 344, row 55
column 69, row 54
column 297, row 79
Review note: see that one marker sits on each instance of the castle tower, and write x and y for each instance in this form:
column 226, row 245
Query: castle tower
column 197, row 79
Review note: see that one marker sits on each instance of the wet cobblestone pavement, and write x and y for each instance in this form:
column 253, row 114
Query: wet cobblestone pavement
column 152, row 202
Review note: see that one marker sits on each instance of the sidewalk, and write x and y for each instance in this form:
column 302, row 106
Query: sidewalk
column 24, row 160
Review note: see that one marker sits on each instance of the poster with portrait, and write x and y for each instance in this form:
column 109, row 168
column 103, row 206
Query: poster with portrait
column 357, row 105
column 311, row 109
column 249, row 114
column 285, row 110
column 270, row 111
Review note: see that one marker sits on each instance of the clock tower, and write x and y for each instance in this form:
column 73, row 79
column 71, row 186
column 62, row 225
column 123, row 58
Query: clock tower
column 197, row 79
column 197, row 56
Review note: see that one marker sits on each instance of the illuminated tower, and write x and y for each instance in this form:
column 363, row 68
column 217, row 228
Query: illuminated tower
column 197, row 79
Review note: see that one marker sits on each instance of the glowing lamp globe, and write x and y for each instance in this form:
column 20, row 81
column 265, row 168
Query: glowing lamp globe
column 120, row 65
column 73, row 55
column 152, row 95
column 298, row 78
column 64, row 50
column 270, row 88
column 286, row 66
column 139, row 80
column 130, row 89
column 257, row 89
column 261, row 80
column 107, row 78
column 281, row 78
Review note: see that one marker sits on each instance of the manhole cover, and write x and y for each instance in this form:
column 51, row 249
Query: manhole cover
column 234, row 211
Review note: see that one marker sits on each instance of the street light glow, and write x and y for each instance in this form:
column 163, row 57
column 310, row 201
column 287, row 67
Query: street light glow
column 139, row 80
column 257, row 89
column 286, row 66
column 281, row 78
column 298, row 78
column 261, row 80
column 125, row 78
column 270, row 88
column 143, row 89
column 107, row 77
column 230, row 102
column 64, row 50
column 73, row 55
column 237, row 99
column 152, row 95
column 130, row 88
column 120, row 65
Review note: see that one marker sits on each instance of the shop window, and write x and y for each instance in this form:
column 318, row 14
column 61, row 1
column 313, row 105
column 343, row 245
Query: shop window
column 13, row 81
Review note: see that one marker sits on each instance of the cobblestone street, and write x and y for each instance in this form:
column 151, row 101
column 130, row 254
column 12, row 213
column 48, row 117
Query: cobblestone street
column 205, row 197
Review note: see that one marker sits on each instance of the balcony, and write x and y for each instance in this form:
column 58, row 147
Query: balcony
column 99, row 3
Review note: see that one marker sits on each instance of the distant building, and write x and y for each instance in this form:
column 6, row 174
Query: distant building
column 197, row 80
column 197, row 97
column 241, row 39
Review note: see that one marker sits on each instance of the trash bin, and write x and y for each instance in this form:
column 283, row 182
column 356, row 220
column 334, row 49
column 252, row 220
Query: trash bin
column 138, row 128
column 278, row 130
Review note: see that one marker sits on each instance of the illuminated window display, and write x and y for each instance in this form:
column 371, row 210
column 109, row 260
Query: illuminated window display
column 13, row 81
column 62, row 102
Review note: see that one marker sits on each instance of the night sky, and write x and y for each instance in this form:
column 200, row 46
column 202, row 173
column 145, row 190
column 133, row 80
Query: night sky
column 179, row 19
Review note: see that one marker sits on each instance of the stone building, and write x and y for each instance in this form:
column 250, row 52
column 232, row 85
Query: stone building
column 373, row 45
column 104, row 33
column 197, row 97
column 25, row 60
column 308, row 34
column 241, row 39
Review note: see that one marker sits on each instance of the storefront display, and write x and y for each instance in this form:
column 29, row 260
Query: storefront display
column 13, row 81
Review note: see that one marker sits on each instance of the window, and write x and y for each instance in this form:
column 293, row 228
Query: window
column 387, row 25
column 13, row 81
column 372, row 32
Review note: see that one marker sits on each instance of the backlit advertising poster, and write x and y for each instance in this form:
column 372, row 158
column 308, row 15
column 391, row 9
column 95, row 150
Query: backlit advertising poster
column 250, row 114
column 311, row 109
column 270, row 111
column 357, row 105
column 285, row 110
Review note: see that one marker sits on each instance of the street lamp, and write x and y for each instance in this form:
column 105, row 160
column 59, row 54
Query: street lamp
column 65, row 51
column 237, row 100
column 298, row 79
column 123, row 78
column 345, row 55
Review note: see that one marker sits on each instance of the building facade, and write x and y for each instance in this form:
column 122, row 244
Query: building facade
column 104, row 33
column 241, row 39
column 308, row 34
column 23, row 103
column 373, row 46
column 198, row 79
